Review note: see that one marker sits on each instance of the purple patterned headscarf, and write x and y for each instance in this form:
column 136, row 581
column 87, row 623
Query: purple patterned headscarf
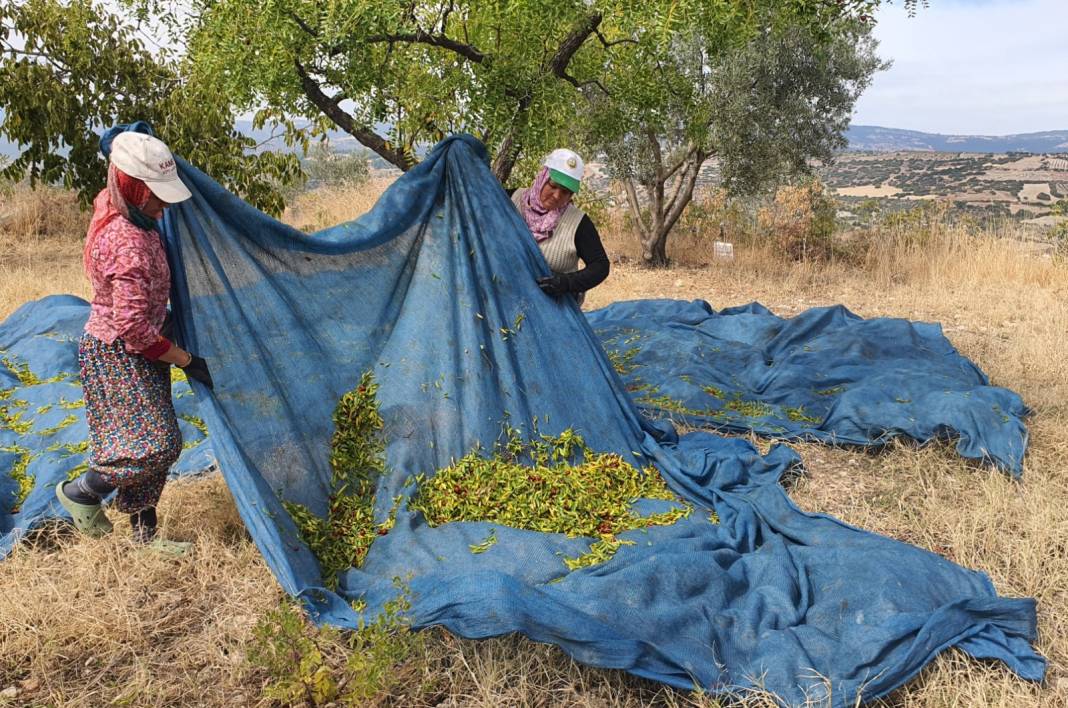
column 540, row 220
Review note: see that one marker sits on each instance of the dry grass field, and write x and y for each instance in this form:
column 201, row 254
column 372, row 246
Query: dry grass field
column 94, row 623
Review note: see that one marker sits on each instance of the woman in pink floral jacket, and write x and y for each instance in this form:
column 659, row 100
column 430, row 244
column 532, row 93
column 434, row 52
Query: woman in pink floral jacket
column 123, row 355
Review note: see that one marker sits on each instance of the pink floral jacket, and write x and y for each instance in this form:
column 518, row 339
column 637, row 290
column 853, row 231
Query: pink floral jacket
column 127, row 267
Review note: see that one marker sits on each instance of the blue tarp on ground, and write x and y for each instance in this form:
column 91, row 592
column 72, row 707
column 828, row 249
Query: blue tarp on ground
column 826, row 374
column 434, row 290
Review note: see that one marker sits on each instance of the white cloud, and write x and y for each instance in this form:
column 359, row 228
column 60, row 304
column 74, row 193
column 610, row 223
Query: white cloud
column 981, row 67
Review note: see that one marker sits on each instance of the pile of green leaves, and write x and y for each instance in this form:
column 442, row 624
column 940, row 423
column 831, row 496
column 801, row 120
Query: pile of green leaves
column 551, row 484
column 357, row 458
column 534, row 485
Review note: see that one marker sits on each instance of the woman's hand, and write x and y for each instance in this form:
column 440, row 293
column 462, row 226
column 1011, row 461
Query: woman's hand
column 197, row 369
column 194, row 366
column 555, row 285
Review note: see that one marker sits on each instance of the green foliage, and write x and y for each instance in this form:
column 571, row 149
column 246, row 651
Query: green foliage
column 287, row 648
column 425, row 70
column 518, row 75
column 69, row 68
column 1059, row 237
column 798, row 415
column 765, row 96
column 11, row 415
column 749, row 409
column 623, row 361
column 331, row 169
column 24, row 374
column 305, row 665
column 534, row 485
column 801, row 220
column 66, row 422
column 356, row 451
column 198, row 423
column 483, row 546
column 357, row 458
column 917, row 226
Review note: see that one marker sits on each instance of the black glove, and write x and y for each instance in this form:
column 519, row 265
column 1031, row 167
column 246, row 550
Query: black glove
column 197, row 369
column 555, row 285
column 167, row 330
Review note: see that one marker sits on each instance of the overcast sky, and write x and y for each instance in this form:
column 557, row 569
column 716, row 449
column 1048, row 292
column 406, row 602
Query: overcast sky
column 974, row 67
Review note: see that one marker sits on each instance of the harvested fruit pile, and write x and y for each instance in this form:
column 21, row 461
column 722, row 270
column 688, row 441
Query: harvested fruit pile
column 534, row 486
column 357, row 458
column 531, row 485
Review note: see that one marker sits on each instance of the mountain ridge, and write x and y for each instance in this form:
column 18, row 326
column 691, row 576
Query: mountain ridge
column 862, row 138
column 875, row 138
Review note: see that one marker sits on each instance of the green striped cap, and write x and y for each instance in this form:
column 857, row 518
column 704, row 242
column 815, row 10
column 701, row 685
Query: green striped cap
column 566, row 181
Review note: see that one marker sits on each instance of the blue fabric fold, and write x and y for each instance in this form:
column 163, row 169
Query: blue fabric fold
column 824, row 375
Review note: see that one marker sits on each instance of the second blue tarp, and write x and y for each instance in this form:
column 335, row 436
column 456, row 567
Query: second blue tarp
column 825, row 375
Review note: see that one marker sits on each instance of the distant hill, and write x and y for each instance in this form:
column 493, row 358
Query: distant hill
column 878, row 139
column 861, row 138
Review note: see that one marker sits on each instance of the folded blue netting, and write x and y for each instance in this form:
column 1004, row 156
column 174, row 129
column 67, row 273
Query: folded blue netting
column 825, row 375
column 434, row 292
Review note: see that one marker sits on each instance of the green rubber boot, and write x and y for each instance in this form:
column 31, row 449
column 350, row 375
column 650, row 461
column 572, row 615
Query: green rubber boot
column 90, row 519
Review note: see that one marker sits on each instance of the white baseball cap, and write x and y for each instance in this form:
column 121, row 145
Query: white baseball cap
column 565, row 168
column 148, row 159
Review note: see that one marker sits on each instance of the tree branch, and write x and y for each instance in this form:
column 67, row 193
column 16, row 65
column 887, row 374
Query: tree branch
column 433, row 40
column 583, row 84
column 635, row 207
column 507, row 154
column 682, row 161
column 571, row 44
column 56, row 65
column 329, row 106
column 657, row 188
column 684, row 194
column 608, row 45
column 308, row 29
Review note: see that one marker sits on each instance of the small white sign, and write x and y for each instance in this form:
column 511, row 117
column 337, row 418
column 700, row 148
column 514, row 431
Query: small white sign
column 723, row 251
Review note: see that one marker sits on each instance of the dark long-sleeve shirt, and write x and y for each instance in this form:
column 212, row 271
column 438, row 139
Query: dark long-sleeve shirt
column 591, row 251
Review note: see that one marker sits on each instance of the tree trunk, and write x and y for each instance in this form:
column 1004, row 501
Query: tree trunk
column 366, row 137
column 664, row 213
column 504, row 163
column 654, row 251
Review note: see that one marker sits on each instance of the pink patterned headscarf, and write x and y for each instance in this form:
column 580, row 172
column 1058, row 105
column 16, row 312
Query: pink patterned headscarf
column 123, row 192
column 540, row 220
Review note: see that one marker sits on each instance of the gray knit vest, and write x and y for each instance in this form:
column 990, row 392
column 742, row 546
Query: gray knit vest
column 559, row 249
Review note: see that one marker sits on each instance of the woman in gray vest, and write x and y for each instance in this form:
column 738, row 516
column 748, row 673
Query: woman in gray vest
column 563, row 232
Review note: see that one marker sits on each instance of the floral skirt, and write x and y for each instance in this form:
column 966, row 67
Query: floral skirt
column 133, row 432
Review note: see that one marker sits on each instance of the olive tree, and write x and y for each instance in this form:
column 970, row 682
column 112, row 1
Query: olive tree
column 763, row 108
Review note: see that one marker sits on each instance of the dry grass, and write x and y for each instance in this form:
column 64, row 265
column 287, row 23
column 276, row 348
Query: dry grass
column 92, row 623
column 329, row 206
column 41, row 235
